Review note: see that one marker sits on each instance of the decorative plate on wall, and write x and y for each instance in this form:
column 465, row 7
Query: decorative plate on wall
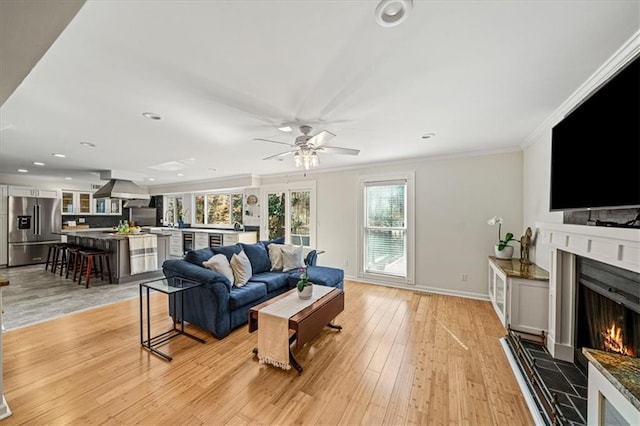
column 252, row 200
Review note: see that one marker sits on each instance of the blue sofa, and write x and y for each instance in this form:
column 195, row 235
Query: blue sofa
column 217, row 305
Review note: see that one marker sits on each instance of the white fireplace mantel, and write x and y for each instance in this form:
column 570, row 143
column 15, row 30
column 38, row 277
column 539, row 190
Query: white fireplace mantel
column 557, row 247
column 616, row 246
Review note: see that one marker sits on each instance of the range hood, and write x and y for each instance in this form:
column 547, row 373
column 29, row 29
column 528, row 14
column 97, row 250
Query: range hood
column 122, row 189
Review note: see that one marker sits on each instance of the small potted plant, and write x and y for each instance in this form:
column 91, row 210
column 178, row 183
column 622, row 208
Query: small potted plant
column 502, row 250
column 305, row 288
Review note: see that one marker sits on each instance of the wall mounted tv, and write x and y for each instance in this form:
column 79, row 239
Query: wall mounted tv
column 595, row 150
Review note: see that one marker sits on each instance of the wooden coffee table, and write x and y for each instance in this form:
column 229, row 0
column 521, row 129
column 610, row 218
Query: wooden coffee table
column 306, row 324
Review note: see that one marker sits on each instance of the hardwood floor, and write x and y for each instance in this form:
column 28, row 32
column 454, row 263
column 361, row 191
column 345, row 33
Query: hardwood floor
column 402, row 358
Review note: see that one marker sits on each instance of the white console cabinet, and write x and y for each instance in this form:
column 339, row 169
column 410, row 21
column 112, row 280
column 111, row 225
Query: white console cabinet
column 519, row 294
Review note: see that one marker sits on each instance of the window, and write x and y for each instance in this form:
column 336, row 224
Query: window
column 291, row 214
column 387, row 228
column 174, row 209
column 218, row 209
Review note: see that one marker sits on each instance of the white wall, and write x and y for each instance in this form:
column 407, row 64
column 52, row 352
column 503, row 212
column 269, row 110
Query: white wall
column 454, row 199
column 537, row 149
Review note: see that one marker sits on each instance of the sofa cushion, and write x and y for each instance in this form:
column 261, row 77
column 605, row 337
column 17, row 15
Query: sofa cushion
column 241, row 267
column 198, row 256
column 250, row 292
column 257, row 254
column 292, row 257
column 228, row 251
column 279, row 240
column 220, row 264
column 323, row 275
column 273, row 280
column 275, row 256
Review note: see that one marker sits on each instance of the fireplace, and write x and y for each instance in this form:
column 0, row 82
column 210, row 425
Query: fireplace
column 607, row 310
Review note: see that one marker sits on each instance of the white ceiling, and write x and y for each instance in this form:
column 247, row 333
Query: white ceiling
column 482, row 75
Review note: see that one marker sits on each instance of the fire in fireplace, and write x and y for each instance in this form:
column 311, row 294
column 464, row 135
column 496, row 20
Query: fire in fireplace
column 608, row 310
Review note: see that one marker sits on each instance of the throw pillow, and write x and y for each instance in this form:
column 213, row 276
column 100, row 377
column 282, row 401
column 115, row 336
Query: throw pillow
column 198, row 256
column 220, row 264
column 228, row 251
column 258, row 257
column 291, row 258
column 241, row 267
column 275, row 256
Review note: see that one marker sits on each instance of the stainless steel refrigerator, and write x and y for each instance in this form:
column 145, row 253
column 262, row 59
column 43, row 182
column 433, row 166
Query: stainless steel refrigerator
column 34, row 223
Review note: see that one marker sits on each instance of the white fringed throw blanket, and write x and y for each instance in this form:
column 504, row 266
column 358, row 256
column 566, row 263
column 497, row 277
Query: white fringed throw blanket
column 273, row 326
column 143, row 253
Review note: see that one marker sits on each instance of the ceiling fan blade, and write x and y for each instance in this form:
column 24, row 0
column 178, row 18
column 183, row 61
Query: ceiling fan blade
column 338, row 150
column 282, row 154
column 269, row 140
column 321, row 138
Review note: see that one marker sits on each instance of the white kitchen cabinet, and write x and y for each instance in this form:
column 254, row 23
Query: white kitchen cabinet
column 201, row 240
column 28, row 191
column 107, row 206
column 239, row 237
column 519, row 294
column 74, row 202
column 3, row 199
column 175, row 242
column 3, row 239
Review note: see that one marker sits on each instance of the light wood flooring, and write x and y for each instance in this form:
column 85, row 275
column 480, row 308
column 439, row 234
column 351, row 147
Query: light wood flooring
column 402, row 358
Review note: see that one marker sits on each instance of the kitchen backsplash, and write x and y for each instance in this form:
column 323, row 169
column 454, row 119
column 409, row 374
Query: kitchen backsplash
column 97, row 221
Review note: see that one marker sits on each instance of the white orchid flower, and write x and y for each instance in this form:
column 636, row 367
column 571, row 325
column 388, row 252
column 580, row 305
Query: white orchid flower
column 496, row 220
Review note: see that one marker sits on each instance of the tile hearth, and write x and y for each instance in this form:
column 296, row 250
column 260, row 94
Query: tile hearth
column 562, row 379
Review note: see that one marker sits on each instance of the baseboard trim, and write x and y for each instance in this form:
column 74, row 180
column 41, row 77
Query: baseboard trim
column 423, row 289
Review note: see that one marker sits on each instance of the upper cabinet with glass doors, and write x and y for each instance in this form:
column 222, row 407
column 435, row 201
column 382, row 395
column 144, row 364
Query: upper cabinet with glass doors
column 74, row 202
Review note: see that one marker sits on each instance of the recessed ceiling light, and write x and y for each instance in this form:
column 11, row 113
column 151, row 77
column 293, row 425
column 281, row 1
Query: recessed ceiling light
column 68, row 178
column 180, row 174
column 285, row 129
column 428, row 135
column 23, row 170
column 151, row 116
column 151, row 179
column 59, row 155
column 38, row 163
column 89, row 144
column 390, row 13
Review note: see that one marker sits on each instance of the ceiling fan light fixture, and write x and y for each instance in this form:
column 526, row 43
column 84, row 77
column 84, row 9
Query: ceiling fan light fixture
column 390, row 13
column 297, row 158
column 315, row 160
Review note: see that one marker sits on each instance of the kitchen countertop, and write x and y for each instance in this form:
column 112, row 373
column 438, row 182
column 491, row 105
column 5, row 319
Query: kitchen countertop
column 207, row 230
column 101, row 235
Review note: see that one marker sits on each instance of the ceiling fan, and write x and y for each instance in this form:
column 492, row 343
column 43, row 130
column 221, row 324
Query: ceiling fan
column 306, row 148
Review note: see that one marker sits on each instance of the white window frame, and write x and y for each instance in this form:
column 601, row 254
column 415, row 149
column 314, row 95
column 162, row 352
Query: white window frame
column 409, row 178
column 229, row 194
column 165, row 204
column 287, row 189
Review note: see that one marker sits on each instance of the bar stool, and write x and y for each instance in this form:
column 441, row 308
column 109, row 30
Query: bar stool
column 50, row 256
column 91, row 265
column 59, row 257
column 73, row 259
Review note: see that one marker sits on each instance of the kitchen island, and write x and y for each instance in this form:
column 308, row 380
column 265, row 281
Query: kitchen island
column 118, row 247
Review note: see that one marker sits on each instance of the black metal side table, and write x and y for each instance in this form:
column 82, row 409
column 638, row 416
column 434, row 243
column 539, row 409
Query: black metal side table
column 169, row 286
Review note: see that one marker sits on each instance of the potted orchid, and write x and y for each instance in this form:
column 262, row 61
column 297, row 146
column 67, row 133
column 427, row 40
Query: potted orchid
column 502, row 250
column 305, row 288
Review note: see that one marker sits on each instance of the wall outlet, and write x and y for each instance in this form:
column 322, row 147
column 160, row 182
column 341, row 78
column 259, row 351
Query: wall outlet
column 346, row 263
column 464, row 276
column 81, row 220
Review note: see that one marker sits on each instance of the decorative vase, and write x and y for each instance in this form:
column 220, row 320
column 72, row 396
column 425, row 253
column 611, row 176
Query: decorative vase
column 306, row 292
column 505, row 253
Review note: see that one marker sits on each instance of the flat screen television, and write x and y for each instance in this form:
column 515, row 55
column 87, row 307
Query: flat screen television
column 595, row 150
